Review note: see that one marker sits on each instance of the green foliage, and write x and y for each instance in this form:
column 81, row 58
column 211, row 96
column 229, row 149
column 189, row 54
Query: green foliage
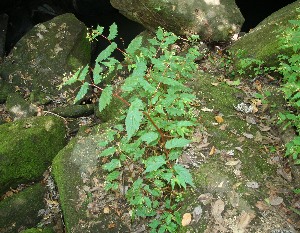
column 143, row 148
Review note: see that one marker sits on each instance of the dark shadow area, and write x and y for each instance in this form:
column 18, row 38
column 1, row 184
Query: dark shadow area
column 24, row 14
column 255, row 11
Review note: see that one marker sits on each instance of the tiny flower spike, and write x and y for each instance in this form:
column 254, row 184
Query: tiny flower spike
column 143, row 148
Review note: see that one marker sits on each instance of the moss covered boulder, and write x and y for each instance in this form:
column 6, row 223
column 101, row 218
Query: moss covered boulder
column 27, row 148
column 212, row 20
column 20, row 211
column 40, row 59
column 263, row 42
column 80, row 185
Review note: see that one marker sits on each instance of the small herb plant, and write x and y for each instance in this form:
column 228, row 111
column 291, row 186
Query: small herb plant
column 142, row 149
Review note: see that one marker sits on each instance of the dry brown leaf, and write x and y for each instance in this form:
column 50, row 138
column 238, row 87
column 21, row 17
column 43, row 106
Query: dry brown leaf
column 217, row 208
column 258, row 137
column 248, row 135
column 186, row 219
column 261, row 205
column 223, row 127
column 215, row 84
column 111, row 225
column 212, row 151
column 244, row 220
column 205, row 109
column 250, row 120
column 232, row 163
column 252, row 184
column 219, row 119
column 106, row 210
column 275, row 200
column 285, row 175
column 264, row 128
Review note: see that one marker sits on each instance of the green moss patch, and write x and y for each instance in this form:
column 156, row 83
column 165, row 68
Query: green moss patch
column 27, row 148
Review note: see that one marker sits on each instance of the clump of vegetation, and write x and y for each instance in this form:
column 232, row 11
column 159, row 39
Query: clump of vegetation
column 142, row 149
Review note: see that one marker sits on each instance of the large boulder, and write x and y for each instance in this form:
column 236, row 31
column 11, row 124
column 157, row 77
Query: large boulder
column 212, row 20
column 79, row 181
column 38, row 62
column 263, row 42
column 27, row 148
column 20, row 211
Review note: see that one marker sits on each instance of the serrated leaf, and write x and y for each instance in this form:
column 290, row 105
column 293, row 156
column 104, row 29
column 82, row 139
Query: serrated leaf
column 134, row 117
column 112, row 165
column 113, row 31
column 113, row 176
column 184, row 173
column 105, row 97
column 134, row 45
column 149, row 137
column 108, row 151
column 83, row 73
column 177, row 142
column 135, row 78
column 106, row 52
column 160, row 33
column 74, row 78
column 154, row 162
column 97, row 74
column 82, row 91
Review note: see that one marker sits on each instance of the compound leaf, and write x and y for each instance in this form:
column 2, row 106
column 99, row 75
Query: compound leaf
column 108, row 151
column 97, row 74
column 113, row 176
column 149, row 137
column 134, row 117
column 105, row 97
column 74, row 78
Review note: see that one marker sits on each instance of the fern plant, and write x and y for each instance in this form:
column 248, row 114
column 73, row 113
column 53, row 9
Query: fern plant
column 142, row 150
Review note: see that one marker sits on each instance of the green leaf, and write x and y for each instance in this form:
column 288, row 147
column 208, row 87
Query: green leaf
column 134, row 117
column 83, row 73
column 134, row 45
column 154, row 162
column 105, row 97
column 112, row 165
column 74, row 78
column 113, row 31
column 113, row 176
column 184, row 174
column 108, row 151
column 106, row 52
column 177, row 142
column 81, row 93
column 97, row 74
column 149, row 137
column 135, row 78
column 167, row 176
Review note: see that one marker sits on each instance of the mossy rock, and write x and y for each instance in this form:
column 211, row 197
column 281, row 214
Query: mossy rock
column 20, row 211
column 27, row 148
column 74, row 111
column 73, row 171
column 40, row 59
column 18, row 107
column 38, row 230
column 263, row 42
column 211, row 21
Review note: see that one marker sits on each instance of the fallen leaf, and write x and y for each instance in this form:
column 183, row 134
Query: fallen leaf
column 250, row 120
column 284, row 174
column 261, row 205
column 244, row 220
column 217, row 208
column 252, row 184
column 205, row 198
column 258, row 137
column 197, row 212
column 241, row 139
column 223, row 127
column 239, row 149
column 215, row 84
column 111, row 225
column 232, row 163
column 248, row 135
column 219, row 119
column 186, row 219
column 205, row 109
column 234, row 199
column 212, row 151
column 106, row 210
column 264, row 128
column 275, row 200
